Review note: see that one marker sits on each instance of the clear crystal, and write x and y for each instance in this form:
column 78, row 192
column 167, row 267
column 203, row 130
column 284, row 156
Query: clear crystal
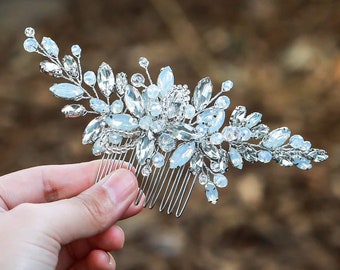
column 90, row 78
column 158, row 160
column 260, row 131
column 264, row 156
column 67, row 91
column 227, row 86
column 73, row 110
column 220, row 180
column 216, row 138
column 235, row 158
column 31, row 45
column 92, row 131
column 253, row 119
column 196, row 163
column 153, row 91
column 237, row 116
column 285, row 161
column 29, row 32
column 211, row 193
column 117, row 106
column 189, row 111
column 143, row 62
column 211, row 151
column 244, row 134
column 222, row 102
column 121, row 83
column 98, row 147
column 70, row 65
column 51, row 69
column 202, row 93
column 99, row 106
column 166, row 142
column 230, row 133
column 276, row 138
column 183, row 132
column 182, row 155
column 105, row 79
column 146, row 170
column 133, row 101
column 203, row 179
column 165, row 81
column 122, row 122
column 145, row 149
column 76, row 50
column 50, row 46
column 155, row 109
column 137, row 80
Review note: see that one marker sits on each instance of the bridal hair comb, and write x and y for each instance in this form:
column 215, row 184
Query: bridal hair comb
column 171, row 139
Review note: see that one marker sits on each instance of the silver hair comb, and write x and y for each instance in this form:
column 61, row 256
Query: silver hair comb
column 171, row 139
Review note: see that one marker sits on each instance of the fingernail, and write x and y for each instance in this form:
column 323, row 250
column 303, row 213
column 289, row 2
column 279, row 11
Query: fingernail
column 120, row 185
column 110, row 258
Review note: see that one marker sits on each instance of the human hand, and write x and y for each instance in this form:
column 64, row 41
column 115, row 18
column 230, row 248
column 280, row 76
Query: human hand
column 55, row 217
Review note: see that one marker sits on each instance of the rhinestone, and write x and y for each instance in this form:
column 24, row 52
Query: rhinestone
column 153, row 91
column 189, row 111
column 216, row 138
column 203, row 179
column 220, row 180
column 146, row 170
column 137, row 80
column 166, row 142
column 90, row 78
column 29, row 32
column 227, row 85
column 76, row 50
column 117, row 106
column 50, row 46
column 143, row 62
column 31, row 45
column 222, row 102
column 244, row 134
column 158, row 160
column 264, row 156
column 155, row 109
column 145, row 122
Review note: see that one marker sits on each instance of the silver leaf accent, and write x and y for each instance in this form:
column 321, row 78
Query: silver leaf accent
column 202, row 94
column 105, row 79
column 67, row 91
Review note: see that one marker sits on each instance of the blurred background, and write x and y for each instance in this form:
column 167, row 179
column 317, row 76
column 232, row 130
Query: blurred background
column 284, row 60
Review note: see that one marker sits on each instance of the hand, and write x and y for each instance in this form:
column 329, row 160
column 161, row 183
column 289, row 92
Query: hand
column 55, row 217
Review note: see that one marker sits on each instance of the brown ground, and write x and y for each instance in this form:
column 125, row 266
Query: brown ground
column 284, row 59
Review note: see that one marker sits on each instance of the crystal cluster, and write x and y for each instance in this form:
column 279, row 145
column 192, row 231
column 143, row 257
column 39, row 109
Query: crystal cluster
column 160, row 121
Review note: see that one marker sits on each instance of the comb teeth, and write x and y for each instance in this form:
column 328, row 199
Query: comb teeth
column 171, row 138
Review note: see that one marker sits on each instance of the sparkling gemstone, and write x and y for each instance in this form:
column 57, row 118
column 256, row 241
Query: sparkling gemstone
column 29, row 32
column 276, row 138
column 253, row 119
column 50, row 46
column 216, row 138
column 67, row 91
column 155, row 109
column 73, row 110
column 99, row 106
column 285, row 161
column 296, row 141
column 153, row 91
column 244, row 134
column 145, row 122
column 302, row 163
column 227, row 85
column 121, row 83
column 145, row 149
column 202, row 93
column 122, row 122
column 306, row 146
column 183, row 132
column 213, row 118
column 90, row 78
column 260, row 131
column 31, row 45
column 143, row 62
column 222, row 102
column 70, row 65
column 211, row 151
column 146, row 170
column 133, row 101
column 196, row 163
column 166, row 142
column 98, row 147
column 158, row 160
column 157, row 126
column 230, row 133
column 235, row 158
column 318, row 155
column 182, row 155
column 237, row 116
column 211, row 193
column 220, row 180
column 137, row 80
column 92, row 131
column 189, row 111
column 115, row 138
column 105, row 79
column 76, row 50
column 264, row 156
column 201, row 129
column 203, row 179
column 165, row 81
column 117, row 106
column 51, row 69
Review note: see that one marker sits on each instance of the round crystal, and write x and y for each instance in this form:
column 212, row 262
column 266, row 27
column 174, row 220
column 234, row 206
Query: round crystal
column 145, row 122
column 76, row 50
column 189, row 111
column 220, row 180
column 143, row 62
column 201, row 129
column 216, row 138
column 296, row 141
column 153, row 91
column 146, row 170
column 29, row 32
column 157, row 126
column 222, row 102
column 117, row 106
column 166, row 142
column 203, row 179
column 264, row 156
column 158, row 160
column 155, row 109
column 90, row 78
column 31, row 45
column 227, row 85
column 137, row 80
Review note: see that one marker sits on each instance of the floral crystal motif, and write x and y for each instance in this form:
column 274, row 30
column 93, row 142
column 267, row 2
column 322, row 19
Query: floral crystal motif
column 164, row 125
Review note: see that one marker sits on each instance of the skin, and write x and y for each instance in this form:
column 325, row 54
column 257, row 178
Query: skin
column 55, row 217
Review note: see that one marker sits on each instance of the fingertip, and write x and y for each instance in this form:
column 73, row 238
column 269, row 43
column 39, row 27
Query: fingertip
column 100, row 259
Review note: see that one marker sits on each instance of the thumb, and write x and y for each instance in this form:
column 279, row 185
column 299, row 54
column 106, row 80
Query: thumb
column 93, row 210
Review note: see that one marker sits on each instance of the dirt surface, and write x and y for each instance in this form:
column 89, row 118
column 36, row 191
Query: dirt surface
column 284, row 59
